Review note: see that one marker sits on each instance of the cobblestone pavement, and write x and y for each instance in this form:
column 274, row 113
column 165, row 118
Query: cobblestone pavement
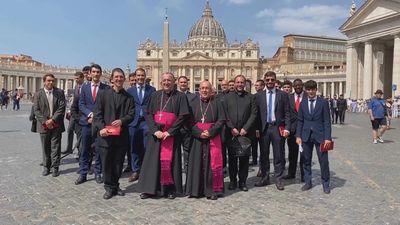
column 365, row 187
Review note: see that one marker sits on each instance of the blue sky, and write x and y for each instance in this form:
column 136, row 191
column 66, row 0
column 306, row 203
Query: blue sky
column 76, row 32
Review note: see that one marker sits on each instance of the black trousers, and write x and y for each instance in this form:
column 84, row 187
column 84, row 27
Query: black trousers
column 341, row 114
column 243, row 169
column 51, row 149
column 322, row 159
column 113, row 162
column 184, row 141
column 271, row 136
column 293, row 156
column 254, row 150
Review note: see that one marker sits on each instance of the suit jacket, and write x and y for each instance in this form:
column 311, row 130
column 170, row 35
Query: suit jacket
column 293, row 112
column 42, row 110
column 75, row 112
column 133, row 91
column 105, row 112
column 86, row 103
column 316, row 126
column 282, row 114
column 342, row 104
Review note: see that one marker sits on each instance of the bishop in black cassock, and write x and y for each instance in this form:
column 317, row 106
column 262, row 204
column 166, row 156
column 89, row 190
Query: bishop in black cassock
column 161, row 171
column 205, row 172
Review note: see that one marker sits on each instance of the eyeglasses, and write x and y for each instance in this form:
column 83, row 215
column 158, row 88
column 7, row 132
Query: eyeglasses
column 269, row 79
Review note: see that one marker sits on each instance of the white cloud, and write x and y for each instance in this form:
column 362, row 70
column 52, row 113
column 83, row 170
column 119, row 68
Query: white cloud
column 237, row 2
column 265, row 13
column 309, row 19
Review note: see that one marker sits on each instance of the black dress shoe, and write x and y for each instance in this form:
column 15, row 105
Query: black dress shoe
column 108, row 195
column 243, row 187
column 145, row 196
column 45, row 172
column 288, row 177
column 80, row 180
column 134, row 177
column 232, row 185
column 120, row 192
column 279, row 185
column 306, row 187
column 171, row 195
column 213, row 197
column 56, row 172
column 327, row 190
column 262, row 182
column 99, row 179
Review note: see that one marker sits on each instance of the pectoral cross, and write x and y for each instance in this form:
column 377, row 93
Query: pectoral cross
column 160, row 115
column 202, row 119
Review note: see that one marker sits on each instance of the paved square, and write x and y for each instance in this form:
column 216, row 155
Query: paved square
column 364, row 180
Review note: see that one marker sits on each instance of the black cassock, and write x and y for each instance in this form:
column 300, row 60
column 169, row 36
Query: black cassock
column 112, row 106
column 149, row 180
column 200, row 177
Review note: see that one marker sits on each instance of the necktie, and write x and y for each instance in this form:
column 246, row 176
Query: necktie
column 140, row 94
column 297, row 103
column 312, row 105
column 94, row 92
column 140, row 99
column 269, row 118
column 50, row 101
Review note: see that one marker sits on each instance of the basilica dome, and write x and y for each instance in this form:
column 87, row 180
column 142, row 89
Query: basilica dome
column 207, row 29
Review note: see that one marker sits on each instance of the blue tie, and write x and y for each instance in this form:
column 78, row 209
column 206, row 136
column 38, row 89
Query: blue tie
column 312, row 106
column 269, row 114
column 140, row 99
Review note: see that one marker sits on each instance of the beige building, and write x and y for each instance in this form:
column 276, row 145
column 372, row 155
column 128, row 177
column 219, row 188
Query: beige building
column 206, row 54
column 373, row 49
column 320, row 58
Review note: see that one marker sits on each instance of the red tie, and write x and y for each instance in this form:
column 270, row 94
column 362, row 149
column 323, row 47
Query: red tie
column 297, row 103
column 94, row 92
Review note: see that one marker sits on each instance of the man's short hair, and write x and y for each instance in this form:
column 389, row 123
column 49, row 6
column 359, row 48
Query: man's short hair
column 115, row 70
column 97, row 66
column 270, row 74
column 240, row 75
column 287, row 82
column 230, row 81
column 169, row 73
column 86, row 69
column 141, row 69
column 132, row 74
column 79, row 74
column 261, row 81
column 48, row 75
column 310, row 84
column 184, row 77
column 278, row 82
column 297, row 80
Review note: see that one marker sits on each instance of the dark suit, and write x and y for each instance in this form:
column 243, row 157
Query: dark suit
column 314, row 129
column 270, row 132
column 333, row 105
column 112, row 148
column 138, row 128
column 86, row 106
column 224, row 132
column 185, row 132
column 50, row 138
column 342, row 107
column 241, row 112
column 73, row 126
column 291, row 141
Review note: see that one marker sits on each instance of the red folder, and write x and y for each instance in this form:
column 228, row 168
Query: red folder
column 328, row 148
column 55, row 125
column 113, row 131
column 282, row 130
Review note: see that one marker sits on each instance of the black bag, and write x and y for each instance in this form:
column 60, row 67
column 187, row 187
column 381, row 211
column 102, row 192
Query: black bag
column 239, row 146
column 33, row 127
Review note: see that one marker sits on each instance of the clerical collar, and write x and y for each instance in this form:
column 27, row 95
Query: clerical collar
column 240, row 93
column 184, row 92
column 170, row 93
column 205, row 99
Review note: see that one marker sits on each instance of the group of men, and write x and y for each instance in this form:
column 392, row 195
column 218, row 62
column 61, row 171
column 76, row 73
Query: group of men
column 153, row 128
